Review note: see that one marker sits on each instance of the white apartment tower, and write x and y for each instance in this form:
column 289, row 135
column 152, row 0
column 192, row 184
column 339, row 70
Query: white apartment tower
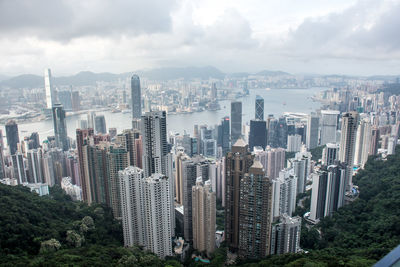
column 146, row 211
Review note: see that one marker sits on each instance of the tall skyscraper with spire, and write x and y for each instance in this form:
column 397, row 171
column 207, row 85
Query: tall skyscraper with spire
column 259, row 108
column 50, row 97
column 136, row 100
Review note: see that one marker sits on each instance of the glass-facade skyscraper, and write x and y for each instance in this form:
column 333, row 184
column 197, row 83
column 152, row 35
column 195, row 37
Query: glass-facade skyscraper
column 136, row 97
column 60, row 127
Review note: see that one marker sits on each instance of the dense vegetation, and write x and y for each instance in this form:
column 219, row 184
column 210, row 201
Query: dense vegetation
column 53, row 230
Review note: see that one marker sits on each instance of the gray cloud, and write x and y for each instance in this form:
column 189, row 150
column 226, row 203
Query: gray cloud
column 367, row 30
column 67, row 19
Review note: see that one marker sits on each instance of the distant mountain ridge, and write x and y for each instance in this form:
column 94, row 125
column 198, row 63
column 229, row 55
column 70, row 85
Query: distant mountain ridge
column 159, row 74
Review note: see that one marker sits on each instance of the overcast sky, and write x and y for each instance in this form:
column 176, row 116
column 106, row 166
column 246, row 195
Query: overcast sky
column 298, row 36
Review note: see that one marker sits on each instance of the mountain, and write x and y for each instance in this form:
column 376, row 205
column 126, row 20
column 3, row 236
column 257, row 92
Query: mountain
column 86, row 78
column 271, row 73
column 90, row 78
column 4, row 77
column 23, row 81
column 187, row 73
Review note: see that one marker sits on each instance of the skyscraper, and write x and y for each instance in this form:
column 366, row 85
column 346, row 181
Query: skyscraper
column 330, row 154
column 117, row 160
column 284, row 193
column 363, row 141
column 328, row 191
column 347, row 144
column 259, row 108
column 236, row 121
column 258, row 134
column 155, row 147
column 189, row 175
column 132, row 206
column 136, row 97
column 255, row 213
column 60, row 127
column 224, row 135
column 312, row 131
column 328, row 126
column 12, row 136
column 156, row 157
column 19, row 167
column 203, row 217
column 273, row 161
column 285, row 235
column 2, row 164
column 48, row 84
column 100, row 124
column 237, row 164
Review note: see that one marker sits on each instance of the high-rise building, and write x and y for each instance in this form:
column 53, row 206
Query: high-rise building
column 100, row 124
column 76, row 101
column 2, row 163
column 117, row 160
column 237, row 164
column 259, row 108
column 236, row 121
column 374, row 144
column 312, row 131
column 347, row 144
column 272, row 159
column 285, row 235
column 294, row 143
column 35, row 166
column 189, row 175
column 82, row 139
column 214, row 92
column 328, row 191
column 136, row 97
column 255, row 213
column 65, row 99
column 258, row 134
column 301, row 165
column 363, row 140
column 146, row 210
column 12, row 136
column 19, row 167
column 329, row 119
column 132, row 206
column 284, row 193
column 48, row 85
column 224, row 135
column 155, row 155
column 60, row 127
column 203, row 217
column 154, row 138
column 330, row 154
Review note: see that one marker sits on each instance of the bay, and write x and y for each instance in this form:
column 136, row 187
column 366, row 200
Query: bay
column 276, row 102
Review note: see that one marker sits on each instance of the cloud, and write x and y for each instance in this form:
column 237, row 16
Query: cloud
column 366, row 31
column 67, row 19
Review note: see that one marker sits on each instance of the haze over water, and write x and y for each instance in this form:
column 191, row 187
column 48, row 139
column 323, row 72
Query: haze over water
column 276, row 101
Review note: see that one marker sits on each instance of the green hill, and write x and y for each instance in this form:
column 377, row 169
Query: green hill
column 53, row 230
